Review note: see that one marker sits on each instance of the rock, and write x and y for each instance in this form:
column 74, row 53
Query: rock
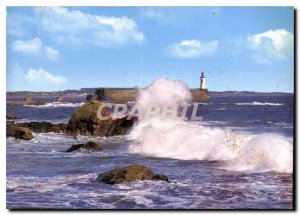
column 24, row 133
column 12, row 130
column 10, row 190
column 90, row 146
column 75, row 147
column 12, row 116
column 60, row 99
column 129, row 174
column 84, row 121
column 44, row 127
column 92, row 97
column 23, row 130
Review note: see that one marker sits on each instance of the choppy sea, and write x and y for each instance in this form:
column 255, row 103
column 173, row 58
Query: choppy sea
column 41, row 175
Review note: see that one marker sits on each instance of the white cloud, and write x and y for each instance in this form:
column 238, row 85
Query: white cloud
column 33, row 79
column 40, row 75
column 52, row 53
column 75, row 26
column 28, row 47
column 193, row 48
column 271, row 45
column 35, row 47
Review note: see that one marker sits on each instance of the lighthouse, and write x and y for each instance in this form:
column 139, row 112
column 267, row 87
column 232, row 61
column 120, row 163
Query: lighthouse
column 202, row 82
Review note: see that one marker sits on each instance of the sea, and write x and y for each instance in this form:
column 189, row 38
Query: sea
column 239, row 156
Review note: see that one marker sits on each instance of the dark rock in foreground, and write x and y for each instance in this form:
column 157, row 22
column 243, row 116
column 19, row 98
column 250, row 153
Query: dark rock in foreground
column 44, row 127
column 12, row 117
column 129, row 174
column 90, row 146
column 84, row 121
column 12, row 130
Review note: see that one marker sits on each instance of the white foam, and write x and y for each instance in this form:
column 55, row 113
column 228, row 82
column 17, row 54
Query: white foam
column 174, row 138
column 261, row 153
column 53, row 121
column 57, row 104
column 45, row 184
column 260, row 103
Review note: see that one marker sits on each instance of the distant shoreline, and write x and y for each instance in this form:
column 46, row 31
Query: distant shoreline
column 82, row 93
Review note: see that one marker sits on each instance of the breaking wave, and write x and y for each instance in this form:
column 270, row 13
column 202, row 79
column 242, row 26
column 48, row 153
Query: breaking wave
column 174, row 138
column 57, row 104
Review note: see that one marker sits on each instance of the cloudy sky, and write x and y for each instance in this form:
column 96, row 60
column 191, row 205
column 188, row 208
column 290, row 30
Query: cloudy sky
column 238, row 48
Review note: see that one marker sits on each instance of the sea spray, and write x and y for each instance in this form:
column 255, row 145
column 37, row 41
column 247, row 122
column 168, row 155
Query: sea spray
column 261, row 153
column 179, row 139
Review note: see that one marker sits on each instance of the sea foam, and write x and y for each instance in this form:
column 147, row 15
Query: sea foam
column 259, row 103
column 56, row 104
column 175, row 138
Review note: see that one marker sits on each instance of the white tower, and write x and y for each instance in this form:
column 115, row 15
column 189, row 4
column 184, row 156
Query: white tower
column 202, row 82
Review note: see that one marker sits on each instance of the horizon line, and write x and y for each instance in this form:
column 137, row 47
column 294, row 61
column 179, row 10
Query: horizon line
column 228, row 91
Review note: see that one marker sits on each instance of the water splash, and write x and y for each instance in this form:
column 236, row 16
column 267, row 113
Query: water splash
column 175, row 138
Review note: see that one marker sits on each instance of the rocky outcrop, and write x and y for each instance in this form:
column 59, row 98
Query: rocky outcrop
column 84, row 121
column 12, row 130
column 24, row 130
column 89, row 146
column 44, row 127
column 23, row 133
column 129, row 174
column 12, row 117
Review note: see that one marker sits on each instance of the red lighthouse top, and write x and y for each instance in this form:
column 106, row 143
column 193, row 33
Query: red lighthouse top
column 202, row 75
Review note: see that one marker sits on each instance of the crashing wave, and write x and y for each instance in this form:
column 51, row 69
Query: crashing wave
column 175, row 138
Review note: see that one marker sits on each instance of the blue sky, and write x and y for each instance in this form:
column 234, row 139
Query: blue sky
column 238, row 48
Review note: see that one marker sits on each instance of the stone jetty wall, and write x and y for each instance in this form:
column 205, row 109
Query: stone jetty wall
column 130, row 94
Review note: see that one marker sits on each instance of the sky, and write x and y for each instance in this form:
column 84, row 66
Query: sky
column 238, row 48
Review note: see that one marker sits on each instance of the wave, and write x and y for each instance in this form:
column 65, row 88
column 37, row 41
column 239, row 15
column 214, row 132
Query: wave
column 57, row 104
column 174, row 138
column 260, row 103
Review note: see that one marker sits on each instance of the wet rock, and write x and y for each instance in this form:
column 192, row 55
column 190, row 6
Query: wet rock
column 84, row 121
column 129, row 174
column 12, row 117
column 44, row 127
column 89, row 146
column 24, row 133
column 12, row 130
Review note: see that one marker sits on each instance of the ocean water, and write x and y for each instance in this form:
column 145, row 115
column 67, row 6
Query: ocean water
column 238, row 157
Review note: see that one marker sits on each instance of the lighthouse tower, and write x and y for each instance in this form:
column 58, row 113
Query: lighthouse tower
column 202, row 82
